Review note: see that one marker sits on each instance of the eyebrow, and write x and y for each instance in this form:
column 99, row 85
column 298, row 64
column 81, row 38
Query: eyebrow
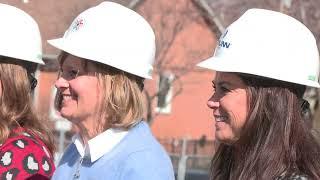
column 71, row 66
column 221, row 83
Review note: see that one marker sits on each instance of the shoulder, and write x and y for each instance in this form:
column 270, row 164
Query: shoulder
column 140, row 143
column 141, row 137
column 141, row 165
column 140, row 156
column 25, row 155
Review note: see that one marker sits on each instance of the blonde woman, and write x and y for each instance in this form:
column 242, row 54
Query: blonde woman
column 26, row 145
column 107, row 52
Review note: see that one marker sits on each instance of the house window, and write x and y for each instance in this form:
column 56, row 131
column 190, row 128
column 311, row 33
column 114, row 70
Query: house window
column 165, row 91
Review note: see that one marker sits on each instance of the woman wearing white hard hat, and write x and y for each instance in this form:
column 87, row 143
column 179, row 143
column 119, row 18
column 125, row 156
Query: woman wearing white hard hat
column 264, row 61
column 26, row 144
column 107, row 52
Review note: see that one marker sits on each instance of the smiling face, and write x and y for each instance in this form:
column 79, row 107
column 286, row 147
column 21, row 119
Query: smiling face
column 78, row 90
column 229, row 105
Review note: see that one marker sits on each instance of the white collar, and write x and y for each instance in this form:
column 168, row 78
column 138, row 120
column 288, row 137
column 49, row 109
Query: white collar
column 99, row 145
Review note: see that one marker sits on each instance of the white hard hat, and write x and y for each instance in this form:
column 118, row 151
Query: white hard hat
column 113, row 35
column 19, row 35
column 268, row 44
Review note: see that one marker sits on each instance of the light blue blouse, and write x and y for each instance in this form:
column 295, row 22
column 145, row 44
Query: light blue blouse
column 137, row 156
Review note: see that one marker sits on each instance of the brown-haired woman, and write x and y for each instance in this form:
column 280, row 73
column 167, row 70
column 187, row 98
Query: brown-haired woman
column 100, row 83
column 26, row 145
column 257, row 102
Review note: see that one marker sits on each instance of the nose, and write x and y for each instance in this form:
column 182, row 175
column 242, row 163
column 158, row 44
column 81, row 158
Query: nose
column 61, row 83
column 213, row 102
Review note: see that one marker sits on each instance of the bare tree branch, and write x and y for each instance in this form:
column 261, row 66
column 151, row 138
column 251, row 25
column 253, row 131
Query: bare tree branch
column 134, row 3
column 212, row 17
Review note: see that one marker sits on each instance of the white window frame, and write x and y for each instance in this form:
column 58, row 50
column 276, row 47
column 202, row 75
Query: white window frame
column 168, row 97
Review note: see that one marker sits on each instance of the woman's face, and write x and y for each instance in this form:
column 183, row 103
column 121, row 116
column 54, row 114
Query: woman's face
column 229, row 105
column 78, row 89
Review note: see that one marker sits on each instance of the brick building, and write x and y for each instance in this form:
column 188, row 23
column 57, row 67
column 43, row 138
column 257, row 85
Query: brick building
column 185, row 35
column 184, row 115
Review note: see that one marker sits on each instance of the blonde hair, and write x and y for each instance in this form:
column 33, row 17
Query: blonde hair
column 16, row 109
column 121, row 99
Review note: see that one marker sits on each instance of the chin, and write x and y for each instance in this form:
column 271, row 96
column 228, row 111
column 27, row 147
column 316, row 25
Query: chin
column 65, row 114
column 225, row 139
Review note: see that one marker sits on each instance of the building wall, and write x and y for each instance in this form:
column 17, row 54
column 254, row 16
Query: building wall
column 54, row 16
column 190, row 117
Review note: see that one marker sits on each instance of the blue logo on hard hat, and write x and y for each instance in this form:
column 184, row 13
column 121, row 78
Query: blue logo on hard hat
column 224, row 34
column 224, row 44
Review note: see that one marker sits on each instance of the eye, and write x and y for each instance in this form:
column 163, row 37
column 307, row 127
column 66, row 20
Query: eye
column 73, row 73
column 68, row 74
column 224, row 89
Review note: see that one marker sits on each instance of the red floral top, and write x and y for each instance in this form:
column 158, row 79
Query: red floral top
column 24, row 156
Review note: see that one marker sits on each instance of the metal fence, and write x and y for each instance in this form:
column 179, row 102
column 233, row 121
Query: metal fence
column 190, row 158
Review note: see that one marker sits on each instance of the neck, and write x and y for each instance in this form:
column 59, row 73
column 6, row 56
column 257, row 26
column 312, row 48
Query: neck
column 90, row 128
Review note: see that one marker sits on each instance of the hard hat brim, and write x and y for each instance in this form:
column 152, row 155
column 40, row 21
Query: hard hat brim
column 224, row 65
column 23, row 58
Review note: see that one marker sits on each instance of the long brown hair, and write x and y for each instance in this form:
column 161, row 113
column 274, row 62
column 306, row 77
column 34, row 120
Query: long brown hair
column 16, row 109
column 276, row 138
